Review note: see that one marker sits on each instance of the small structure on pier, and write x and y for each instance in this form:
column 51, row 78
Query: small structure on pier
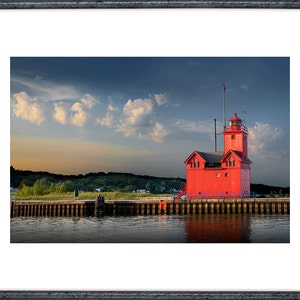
column 220, row 174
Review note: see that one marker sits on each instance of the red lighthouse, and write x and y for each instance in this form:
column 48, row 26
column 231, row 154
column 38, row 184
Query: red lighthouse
column 221, row 174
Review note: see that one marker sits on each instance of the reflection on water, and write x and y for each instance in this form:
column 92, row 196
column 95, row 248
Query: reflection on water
column 153, row 229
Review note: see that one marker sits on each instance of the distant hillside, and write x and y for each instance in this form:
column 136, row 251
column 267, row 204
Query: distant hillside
column 114, row 181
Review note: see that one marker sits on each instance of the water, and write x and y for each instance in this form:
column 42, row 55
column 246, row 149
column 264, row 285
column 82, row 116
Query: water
column 153, row 229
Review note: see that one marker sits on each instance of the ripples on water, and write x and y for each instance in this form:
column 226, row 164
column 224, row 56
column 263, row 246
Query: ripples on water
column 153, row 229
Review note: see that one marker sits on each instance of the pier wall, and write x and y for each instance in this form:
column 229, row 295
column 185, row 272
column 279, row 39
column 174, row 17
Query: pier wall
column 85, row 208
column 60, row 208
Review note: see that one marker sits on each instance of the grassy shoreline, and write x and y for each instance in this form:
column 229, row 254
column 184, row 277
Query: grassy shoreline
column 89, row 196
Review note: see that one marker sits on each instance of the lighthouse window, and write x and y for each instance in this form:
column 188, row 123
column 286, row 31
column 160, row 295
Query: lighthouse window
column 233, row 136
column 195, row 163
column 231, row 162
column 226, row 174
column 218, row 174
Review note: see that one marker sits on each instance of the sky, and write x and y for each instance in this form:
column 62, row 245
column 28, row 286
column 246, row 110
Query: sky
column 146, row 115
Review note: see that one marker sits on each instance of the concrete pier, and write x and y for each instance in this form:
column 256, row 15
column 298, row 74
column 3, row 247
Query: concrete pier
column 85, row 208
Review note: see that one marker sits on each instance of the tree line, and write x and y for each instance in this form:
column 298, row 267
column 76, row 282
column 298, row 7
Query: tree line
column 40, row 183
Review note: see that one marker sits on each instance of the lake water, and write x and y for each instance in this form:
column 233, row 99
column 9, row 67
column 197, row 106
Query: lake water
column 239, row 228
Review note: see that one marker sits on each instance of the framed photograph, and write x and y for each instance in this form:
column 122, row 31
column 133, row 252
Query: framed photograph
column 145, row 270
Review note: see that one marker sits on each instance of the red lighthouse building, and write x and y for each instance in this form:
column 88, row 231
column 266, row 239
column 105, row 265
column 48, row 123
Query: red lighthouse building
column 220, row 174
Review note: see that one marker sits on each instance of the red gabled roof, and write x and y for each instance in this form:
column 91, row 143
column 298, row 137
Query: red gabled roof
column 237, row 154
column 215, row 157
column 209, row 157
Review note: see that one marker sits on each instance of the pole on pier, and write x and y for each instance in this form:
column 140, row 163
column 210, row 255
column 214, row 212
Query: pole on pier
column 215, row 137
column 224, row 106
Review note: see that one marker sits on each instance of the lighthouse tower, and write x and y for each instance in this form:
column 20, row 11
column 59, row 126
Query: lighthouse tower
column 220, row 174
column 235, row 137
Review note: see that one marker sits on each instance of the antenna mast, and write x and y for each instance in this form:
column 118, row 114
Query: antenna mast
column 224, row 111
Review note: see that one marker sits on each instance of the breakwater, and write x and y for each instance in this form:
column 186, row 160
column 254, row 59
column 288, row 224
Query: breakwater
column 47, row 208
column 150, row 206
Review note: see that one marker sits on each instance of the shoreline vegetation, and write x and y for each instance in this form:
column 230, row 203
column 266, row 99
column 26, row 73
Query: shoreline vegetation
column 40, row 185
column 88, row 196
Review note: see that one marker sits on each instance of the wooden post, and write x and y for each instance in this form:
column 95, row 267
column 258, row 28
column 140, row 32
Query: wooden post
column 262, row 208
column 182, row 208
column 188, row 208
column 250, row 207
column 279, row 207
column 153, row 208
column 193, row 208
column 199, row 208
column 233, row 207
column 273, row 208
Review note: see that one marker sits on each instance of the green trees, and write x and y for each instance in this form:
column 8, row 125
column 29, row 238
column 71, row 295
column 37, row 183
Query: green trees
column 42, row 183
column 40, row 187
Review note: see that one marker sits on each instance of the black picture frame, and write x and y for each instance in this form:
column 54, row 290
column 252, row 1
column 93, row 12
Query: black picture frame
column 146, row 295
column 58, row 4
column 125, row 4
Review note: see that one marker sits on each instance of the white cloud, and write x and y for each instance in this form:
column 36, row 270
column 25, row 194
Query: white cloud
column 59, row 114
column 110, row 117
column 263, row 138
column 158, row 133
column 194, row 126
column 88, row 100
column 80, row 117
column 161, row 99
column 135, row 114
column 28, row 108
column 136, row 119
column 46, row 90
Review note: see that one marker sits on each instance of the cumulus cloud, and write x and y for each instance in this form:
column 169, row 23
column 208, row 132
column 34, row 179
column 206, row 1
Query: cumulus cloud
column 158, row 133
column 161, row 99
column 60, row 114
column 109, row 119
column 88, row 100
column 263, row 137
column 80, row 117
column 136, row 119
column 135, row 114
column 28, row 108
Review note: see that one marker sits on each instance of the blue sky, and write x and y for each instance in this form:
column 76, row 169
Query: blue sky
column 145, row 115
